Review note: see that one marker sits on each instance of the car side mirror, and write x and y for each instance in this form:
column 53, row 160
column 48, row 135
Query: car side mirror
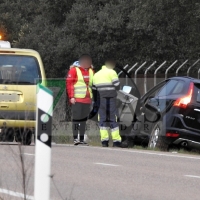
column 127, row 89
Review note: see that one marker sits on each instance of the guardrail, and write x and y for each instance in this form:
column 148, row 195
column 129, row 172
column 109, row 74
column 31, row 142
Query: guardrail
column 135, row 68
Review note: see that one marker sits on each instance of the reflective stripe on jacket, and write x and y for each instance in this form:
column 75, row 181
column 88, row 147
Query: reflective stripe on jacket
column 80, row 88
column 106, row 82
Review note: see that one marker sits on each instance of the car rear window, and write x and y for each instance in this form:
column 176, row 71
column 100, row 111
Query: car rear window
column 197, row 92
column 172, row 87
column 17, row 69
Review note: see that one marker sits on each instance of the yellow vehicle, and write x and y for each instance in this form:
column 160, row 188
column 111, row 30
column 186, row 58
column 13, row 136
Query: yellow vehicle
column 20, row 71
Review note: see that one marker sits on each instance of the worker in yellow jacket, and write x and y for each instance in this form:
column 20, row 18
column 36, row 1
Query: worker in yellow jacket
column 106, row 84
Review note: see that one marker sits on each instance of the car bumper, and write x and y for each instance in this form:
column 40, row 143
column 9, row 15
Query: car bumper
column 187, row 143
column 17, row 123
column 186, row 138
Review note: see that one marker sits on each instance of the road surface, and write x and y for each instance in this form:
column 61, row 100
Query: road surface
column 95, row 173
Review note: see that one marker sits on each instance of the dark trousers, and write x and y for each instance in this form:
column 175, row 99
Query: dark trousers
column 80, row 112
column 108, row 113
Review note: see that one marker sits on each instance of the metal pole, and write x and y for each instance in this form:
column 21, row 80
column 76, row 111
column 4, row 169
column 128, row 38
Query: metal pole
column 130, row 71
column 136, row 71
column 145, row 76
column 170, row 68
column 122, row 71
column 180, row 67
column 132, row 67
column 155, row 73
column 188, row 71
column 199, row 73
column 43, row 143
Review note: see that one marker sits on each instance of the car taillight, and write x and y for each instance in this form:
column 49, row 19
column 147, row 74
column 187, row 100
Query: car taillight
column 173, row 135
column 185, row 100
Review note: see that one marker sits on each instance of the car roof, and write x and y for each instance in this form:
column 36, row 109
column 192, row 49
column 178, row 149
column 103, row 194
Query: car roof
column 186, row 78
column 18, row 51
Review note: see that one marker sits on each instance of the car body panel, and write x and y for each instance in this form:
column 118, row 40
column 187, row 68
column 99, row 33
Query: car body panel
column 184, row 121
column 18, row 100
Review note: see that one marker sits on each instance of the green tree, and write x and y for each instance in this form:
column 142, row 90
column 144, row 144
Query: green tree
column 132, row 31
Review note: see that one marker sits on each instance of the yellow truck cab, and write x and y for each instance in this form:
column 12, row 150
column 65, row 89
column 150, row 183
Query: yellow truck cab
column 20, row 71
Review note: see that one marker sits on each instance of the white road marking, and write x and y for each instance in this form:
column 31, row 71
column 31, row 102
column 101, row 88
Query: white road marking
column 29, row 154
column 15, row 194
column 147, row 152
column 106, row 164
column 192, row 176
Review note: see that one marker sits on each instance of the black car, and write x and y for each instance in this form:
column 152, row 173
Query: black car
column 168, row 115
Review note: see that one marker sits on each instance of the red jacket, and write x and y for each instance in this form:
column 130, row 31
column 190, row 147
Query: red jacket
column 71, row 80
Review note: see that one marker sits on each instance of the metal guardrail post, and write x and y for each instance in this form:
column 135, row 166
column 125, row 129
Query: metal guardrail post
column 132, row 67
column 145, row 76
column 170, row 68
column 155, row 73
column 136, row 71
column 199, row 73
column 188, row 71
column 130, row 71
column 122, row 71
column 180, row 67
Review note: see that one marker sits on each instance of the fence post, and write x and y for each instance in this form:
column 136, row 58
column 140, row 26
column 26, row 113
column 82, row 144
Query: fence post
column 199, row 73
column 136, row 71
column 155, row 73
column 188, row 71
column 130, row 71
column 180, row 67
column 145, row 76
column 170, row 68
column 122, row 71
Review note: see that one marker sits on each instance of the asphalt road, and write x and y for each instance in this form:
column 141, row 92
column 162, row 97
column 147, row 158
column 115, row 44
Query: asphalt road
column 94, row 173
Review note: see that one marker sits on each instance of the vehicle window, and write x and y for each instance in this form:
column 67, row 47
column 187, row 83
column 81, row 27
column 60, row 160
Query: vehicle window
column 197, row 92
column 179, row 87
column 16, row 69
column 167, row 88
column 172, row 87
column 152, row 93
column 198, row 96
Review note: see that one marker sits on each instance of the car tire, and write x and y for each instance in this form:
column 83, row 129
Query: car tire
column 7, row 135
column 26, row 137
column 156, row 141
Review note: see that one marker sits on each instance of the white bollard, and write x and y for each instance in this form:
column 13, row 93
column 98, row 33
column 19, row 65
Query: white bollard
column 43, row 143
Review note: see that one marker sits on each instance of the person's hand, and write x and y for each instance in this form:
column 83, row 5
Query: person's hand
column 73, row 100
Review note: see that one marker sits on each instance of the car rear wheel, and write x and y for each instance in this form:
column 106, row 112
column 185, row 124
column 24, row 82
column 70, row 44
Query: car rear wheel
column 156, row 141
column 24, row 136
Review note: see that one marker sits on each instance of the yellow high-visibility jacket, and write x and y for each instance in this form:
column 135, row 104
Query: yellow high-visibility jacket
column 106, row 82
column 80, row 88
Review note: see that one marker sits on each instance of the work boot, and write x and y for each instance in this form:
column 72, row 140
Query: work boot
column 76, row 142
column 104, row 143
column 117, row 144
column 84, row 143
